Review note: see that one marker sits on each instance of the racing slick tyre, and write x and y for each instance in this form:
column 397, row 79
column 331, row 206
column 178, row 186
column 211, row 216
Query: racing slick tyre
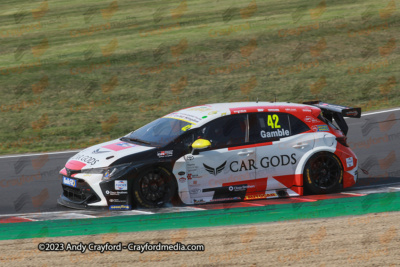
column 154, row 187
column 323, row 174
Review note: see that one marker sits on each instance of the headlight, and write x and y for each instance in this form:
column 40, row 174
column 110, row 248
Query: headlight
column 114, row 171
column 94, row 171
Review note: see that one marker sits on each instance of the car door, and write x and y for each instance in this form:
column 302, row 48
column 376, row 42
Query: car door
column 284, row 145
column 226, row 171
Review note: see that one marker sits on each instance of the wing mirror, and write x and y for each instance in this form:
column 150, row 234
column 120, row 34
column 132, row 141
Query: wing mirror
column 200, row 145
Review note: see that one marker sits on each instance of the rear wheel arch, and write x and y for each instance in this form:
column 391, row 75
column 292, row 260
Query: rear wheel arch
column 336, row 170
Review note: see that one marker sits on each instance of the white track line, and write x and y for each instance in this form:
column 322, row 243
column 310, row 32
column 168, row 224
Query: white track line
column 354, row 194
column 144, row 212
column 41, row 213
column 26, row 218
column 378, row 112
column 372, row 186
column 39, row 154
column 83, row 215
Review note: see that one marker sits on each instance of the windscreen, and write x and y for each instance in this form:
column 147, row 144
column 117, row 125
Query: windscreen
column 161, row 131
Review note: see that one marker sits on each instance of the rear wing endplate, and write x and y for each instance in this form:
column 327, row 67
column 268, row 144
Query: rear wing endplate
column 337, row 113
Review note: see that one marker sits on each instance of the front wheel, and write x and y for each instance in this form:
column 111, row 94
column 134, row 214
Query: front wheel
column 323, row 174
column 154, row 187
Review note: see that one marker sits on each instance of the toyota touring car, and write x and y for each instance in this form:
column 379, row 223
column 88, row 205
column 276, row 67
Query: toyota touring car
column 217, row 153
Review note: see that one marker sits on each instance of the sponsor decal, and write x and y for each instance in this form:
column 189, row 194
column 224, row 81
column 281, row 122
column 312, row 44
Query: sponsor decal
column 69, row 181
column 306, row 110
column 120, row 207
column 97, row 151
column 165, row 154
column 276, row 161
column 351, row 113
column 123, row 144
column 265, row 162
column 320, row 128
column 116, row 193
column 250, row 197
column 234, row 166
column 198, row 201
column 311, row 120
column 182, row 179
column 121, row 185
column 187, row 127
column 119, row 146
column 181, row 173
column 189, row 176
column 190, row 167
column 183, row 116
column 349, row 162
column 240, row 111
column 238, row 188
column 273, row 110
column 277, row 133
column 201, row 109
column 189, row 157
column 86, row 159
column 195, row 191
column 215, row 171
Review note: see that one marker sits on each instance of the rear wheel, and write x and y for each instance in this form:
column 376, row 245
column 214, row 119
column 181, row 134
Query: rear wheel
column 154, row 187
column 323, row 174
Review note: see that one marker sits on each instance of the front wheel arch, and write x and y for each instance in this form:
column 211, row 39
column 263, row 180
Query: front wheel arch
column 138, row 196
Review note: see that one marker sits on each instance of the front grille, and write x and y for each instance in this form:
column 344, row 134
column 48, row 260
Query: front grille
column 73, row 194
column 83, row 193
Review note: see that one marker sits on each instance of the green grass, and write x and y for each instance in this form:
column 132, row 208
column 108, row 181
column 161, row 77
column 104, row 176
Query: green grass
column 70, row 109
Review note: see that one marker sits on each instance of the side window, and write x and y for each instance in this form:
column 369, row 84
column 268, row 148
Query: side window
column 297, row 126
column 186, row 139
column 226, row 131
column 269, row 125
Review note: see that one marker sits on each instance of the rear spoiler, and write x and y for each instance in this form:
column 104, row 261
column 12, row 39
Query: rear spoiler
column 337, row 113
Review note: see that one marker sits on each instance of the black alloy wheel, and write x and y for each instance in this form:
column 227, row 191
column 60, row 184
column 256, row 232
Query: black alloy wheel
column 323, row 174
column 154, row 188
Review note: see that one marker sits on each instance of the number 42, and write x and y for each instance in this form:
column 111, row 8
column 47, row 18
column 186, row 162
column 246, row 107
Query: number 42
column 273, row 121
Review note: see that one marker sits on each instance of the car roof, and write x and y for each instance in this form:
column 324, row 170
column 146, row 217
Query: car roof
column 199, row 115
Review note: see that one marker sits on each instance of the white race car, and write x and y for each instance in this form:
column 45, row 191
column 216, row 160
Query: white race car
column 217, row 153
